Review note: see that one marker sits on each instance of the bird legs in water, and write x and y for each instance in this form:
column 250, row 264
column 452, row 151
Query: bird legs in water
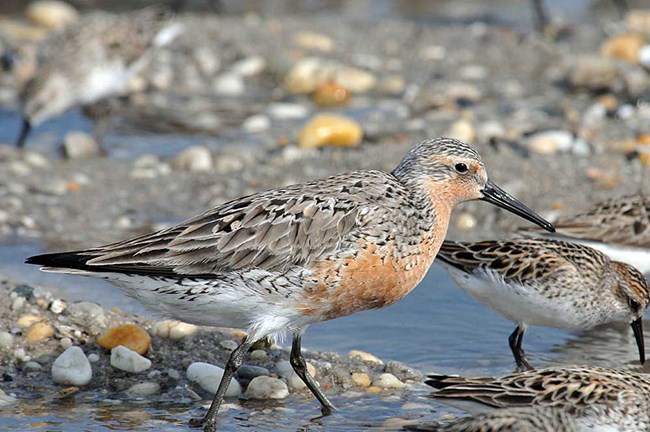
column 515, row 340
column 209, row 422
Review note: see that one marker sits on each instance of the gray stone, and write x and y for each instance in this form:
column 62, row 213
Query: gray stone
column 79, row 145
column 249, row 372
column 129, row 361
column 265, row 387
column 72, row 368
column 209, row 376
column 403, row 372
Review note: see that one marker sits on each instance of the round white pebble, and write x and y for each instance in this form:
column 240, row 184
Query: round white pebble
column 6, row 340
column 65, row 343
column 387, row 381
column 257, row 355
column 129, row 361
column 265, row 387
column 72, row 367
column 209, row 376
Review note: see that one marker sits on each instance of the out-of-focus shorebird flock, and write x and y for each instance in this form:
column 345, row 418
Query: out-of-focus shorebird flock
column 259, row 169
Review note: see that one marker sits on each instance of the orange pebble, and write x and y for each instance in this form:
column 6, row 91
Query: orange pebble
column 130, row 336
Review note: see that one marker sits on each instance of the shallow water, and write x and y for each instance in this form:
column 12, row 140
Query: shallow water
column 436, row 328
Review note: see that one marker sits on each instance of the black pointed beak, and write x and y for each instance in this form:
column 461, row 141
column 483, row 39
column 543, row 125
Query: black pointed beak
column 24, row 132
column 637, row 328
column 500, row 198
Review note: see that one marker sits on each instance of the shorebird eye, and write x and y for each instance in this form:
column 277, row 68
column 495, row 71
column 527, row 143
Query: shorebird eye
column 461, row 168
column 634, row 305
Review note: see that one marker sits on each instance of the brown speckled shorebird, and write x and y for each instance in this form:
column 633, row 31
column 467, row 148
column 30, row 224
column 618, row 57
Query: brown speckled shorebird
column 286, row 258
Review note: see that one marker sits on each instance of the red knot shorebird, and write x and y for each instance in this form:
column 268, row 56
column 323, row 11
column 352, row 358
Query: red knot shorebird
column 602, row 399
column 286, row 258
column 90, row 60
column 548, row 283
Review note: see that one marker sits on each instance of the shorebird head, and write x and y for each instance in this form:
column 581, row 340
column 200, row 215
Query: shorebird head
column 632, row 292
column 453, row 169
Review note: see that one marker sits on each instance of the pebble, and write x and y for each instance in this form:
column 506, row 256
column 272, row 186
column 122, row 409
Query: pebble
column 58, row 306
column 256, row 123
column 72, row 368
column 32, row 366
column 51, row 14
column 373, row 389
column 249, row 372
column 18, row 303
column 257, row 354
column 89, row 315
column 6, row 399
column 308, row 73
column 6, row 340
column 594, row 73
column 21, row 355
column 79, row 145
column 130, row 336
column 149, row 166
column 361, row 379
column 127, row 360
column 142, row 389
column 287, row 111
column 550, row 142
column 314, row 41
column 387, row 381
column 25, row 321
column 625, row 46
column 249, row 66
column 194, row 159
column 39, row 331
column 209, row 376
column 173, row 374
column 365, row 357
column 331, row 95
column 265, row 387
column 285, row 369
column 93, row 358
column 638, row 20
column 330, row 130
column 229, row 84
column 174, row 330
column 644, row 56
column 36, row 160
column 462, row 130
column 228, row 344
column 403, row 372
column 65, row 343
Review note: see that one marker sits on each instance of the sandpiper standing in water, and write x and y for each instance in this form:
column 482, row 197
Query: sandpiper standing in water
column 548, row 283
column 90, row 60
column 286, row 258
column 598, row 398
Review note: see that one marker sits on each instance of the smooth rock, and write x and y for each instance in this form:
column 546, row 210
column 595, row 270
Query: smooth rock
column 295, row 382
column 462, row 130
column 287, row 111
column 229, row 84
column 51, row 14
column 72, row 368
column 257, row 354
column 6, row 340
column 550, row 142
column 174, row 330
column 58, row 306
column 65, row 343
column 130, row 336
column 594, row 73
column 26, row 321
column 265, row 387
column 644, row 56
column 6, row 400
column 173, row 374
column 79, row 145
column 129, row 361
column 361, row 379
column 256, row 123
column 32, row 366
column 194, row 159
column 624, row 46
column 387, row 381
column 249, row 372
column 89, row 315
column 18, row 303
column 143, row 389
column 365, row 356
column 314, row 41
column 331, row 95
column 93, row 358
column 249, row 66
column 228, row 344
column 330, row 130
column 39, row 331
column 403, row 372
column 209, row 376
column 310, row 72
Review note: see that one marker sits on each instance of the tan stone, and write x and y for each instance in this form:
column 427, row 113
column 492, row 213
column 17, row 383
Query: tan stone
column 26, row 321
column 39, row 331
column 330, row 130
column 51, row 14
column 361, row 379
column 624, row 46
column 365, row 356
column 331, row 95
column 130, row 336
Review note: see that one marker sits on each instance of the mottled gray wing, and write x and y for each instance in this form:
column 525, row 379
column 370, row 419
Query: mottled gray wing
column 621, row 220
column 270, row 230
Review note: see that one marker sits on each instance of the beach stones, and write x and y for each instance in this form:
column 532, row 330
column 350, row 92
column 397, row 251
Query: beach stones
column 72, row 368
column 39, row 331
column 129, row 361
column 209, row 376
column 130, row 336
column 330, row 130
column 174, row 330
column 265, row 387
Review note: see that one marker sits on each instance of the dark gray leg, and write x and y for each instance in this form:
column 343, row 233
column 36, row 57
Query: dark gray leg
column 516, row 339
column 541, row 18
column 24, row 133
column 209, row 422
column 299, row 365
